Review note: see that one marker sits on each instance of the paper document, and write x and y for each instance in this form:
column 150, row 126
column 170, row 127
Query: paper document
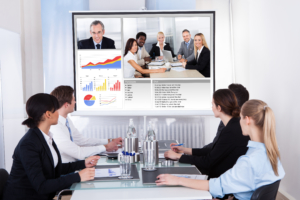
column 106, row 152
column 156, row 63
column 161, row 155
column 112, row 172
column 154, row 67
column 191, row 176
column 176, row 64
column 178, row 69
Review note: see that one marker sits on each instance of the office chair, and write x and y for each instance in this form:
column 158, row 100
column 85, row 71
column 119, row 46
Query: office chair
column 65, row 191
column 3, row 179
column 266, row 192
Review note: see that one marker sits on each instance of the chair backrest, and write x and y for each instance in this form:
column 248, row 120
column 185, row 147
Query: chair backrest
column 3, row 179
column 266, row 192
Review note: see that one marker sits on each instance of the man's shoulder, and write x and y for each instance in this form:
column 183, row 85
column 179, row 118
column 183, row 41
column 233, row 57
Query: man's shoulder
column 105, row 39
column 85, row 41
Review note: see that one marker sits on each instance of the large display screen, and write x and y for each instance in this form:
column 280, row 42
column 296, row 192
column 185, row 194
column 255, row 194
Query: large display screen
column 143, row 62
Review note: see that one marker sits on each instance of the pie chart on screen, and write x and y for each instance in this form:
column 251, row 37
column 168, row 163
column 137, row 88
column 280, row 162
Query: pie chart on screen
column 89, row 100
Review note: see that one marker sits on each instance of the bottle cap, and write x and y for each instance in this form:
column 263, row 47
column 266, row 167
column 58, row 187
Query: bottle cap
column 127, row 154
column 130, row 154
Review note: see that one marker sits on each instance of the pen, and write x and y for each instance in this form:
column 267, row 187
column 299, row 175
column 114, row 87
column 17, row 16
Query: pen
column 177, row 145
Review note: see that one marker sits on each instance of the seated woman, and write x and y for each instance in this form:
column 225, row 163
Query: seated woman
column 130, row 61
column 37, row 167
column 201, row 61
column 230, row 145
column 260, row 166
column 159, row 46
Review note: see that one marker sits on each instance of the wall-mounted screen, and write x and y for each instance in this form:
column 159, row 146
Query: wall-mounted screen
column 133, row 63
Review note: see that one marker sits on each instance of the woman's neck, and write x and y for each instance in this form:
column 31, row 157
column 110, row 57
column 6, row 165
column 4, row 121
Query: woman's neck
column 199, row 48
column 45, row 127
column 256, row 134
column 225, row 118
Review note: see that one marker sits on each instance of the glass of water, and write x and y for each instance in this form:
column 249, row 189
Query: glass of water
column 149, row 159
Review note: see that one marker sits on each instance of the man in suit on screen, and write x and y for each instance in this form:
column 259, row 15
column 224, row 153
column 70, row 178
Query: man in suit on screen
column 186, row 47
column 97, row 41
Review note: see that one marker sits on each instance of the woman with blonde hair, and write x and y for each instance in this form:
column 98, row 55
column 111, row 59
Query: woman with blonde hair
column 260, row 166
column 201, row 60
column 161, row 45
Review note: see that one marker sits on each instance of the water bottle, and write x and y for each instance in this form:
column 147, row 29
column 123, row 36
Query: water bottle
column 131, row 132
column 150, row 134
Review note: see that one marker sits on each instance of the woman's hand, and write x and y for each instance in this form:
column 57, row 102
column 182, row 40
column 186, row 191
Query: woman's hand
column 162, row 70
column 91, row 161
column 167, row 179
column 87, row 174
column 172, row 155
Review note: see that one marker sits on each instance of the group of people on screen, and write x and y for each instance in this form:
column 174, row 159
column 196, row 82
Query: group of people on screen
column 242, row 157
column 193, row 53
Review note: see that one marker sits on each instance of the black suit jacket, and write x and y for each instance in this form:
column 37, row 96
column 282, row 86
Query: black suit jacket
column 89, row 44
column 155, row 49
column 223, row 155
column 202, row 64
column 33, row 175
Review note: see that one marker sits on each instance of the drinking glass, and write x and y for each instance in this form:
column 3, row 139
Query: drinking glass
column 149, row 159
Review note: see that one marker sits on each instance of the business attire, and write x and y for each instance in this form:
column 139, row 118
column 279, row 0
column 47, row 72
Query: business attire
column 141, row 54
column 156, row 51
column 106, row 43
column 37, row 169
column 201, row 62
column 224, row 153
column 250, row 172
column 73, row 145
column 187, row 49
column 207, row 148
column 128, row 69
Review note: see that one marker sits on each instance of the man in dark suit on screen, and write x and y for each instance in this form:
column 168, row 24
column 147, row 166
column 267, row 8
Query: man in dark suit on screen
column 97, row 41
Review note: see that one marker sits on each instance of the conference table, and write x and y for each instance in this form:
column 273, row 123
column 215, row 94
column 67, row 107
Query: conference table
column 133, row 189
column 176, row 72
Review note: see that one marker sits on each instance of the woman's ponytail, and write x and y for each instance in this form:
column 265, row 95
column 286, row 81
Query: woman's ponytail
column 30, row 123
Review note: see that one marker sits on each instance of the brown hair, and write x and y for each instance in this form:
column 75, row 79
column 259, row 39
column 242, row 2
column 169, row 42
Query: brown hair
column 64, row 94
column 129, row 45
column 226, row 99
column 264, row 118
column 203, row 42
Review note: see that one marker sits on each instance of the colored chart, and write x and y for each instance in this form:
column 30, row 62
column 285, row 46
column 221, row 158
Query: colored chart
column 107, row 100
column 116, row 86
column 114, row 63
column 88, row 87
column 89, row 100
column 102, row 87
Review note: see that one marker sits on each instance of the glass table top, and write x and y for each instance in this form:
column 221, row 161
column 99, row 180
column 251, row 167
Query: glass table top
column 118, row 184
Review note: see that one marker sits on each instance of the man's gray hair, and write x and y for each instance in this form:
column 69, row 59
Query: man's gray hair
column 185, row 30
column 95, row 23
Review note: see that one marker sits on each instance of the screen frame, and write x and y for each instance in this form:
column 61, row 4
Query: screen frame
column 142, row 112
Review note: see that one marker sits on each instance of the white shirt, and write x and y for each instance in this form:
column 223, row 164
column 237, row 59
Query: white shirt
column 97, row 43
column 142, row 53
column 49, row 141
column 128, row 69
column 80, row 148
column 199, row 52
column 160, row 52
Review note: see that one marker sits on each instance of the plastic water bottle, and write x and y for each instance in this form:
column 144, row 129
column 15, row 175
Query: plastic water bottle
column 150, row 134
column 131, row 132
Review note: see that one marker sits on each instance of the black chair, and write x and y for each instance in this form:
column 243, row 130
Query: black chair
column 3, row 179
column 266, row 192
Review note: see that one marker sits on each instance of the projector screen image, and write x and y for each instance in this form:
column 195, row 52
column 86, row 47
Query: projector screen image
column 145, row 61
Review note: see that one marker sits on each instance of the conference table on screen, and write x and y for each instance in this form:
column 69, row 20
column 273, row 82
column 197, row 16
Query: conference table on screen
column 133, row 189
column 173, row 73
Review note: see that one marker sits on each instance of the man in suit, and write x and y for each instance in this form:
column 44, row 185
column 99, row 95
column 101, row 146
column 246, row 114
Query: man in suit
column 186, row 47
column 97, row 41
column 142, row 54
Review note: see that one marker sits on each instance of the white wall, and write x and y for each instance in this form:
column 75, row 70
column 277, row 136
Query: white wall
column 274, row 76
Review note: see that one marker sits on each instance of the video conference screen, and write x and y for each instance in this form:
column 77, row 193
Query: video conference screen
column 144, row 61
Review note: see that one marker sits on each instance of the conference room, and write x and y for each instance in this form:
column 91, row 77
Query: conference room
column 148, row 99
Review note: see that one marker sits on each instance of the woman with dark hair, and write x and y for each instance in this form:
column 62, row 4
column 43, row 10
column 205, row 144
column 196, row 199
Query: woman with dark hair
column 37, row 167
column 260, row 166
column 130, row 61
column 230, row 145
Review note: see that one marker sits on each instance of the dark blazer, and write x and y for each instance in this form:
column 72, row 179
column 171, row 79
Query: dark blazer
column 89, row 44
column 202, row 64
column 33, row 175
column 230, row 145
column 156, row 51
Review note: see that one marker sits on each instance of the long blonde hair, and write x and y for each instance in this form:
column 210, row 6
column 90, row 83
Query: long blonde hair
column 203, row 42
column 264, row 118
